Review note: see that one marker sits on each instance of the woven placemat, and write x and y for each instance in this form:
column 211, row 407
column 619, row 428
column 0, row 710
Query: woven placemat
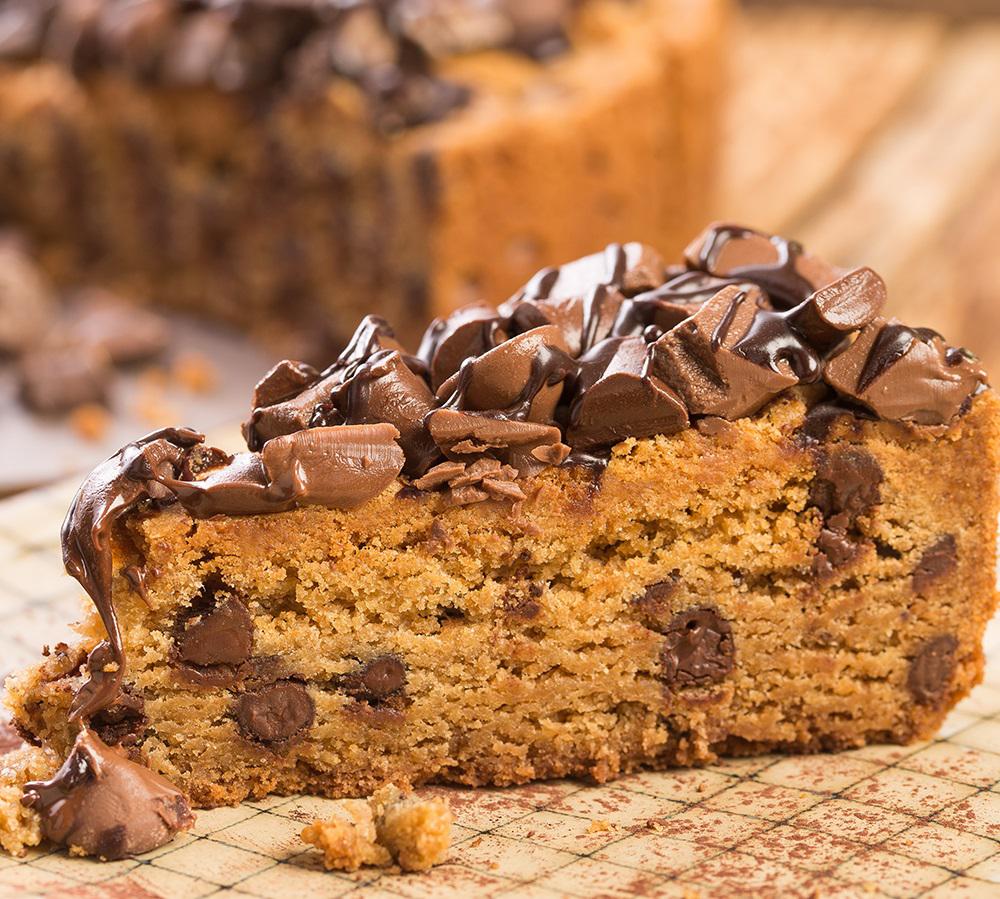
column 920, row 820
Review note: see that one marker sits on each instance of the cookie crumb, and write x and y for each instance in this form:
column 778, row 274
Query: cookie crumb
column 599, row 826
column 90, row 421
column 195, row 373
column 391, row 826
column 21, row 827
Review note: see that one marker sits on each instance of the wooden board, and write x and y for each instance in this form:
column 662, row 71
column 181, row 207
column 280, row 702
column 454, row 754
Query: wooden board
column 874, row 137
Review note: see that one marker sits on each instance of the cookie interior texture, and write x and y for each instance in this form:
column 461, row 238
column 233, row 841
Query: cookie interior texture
column 640, row 515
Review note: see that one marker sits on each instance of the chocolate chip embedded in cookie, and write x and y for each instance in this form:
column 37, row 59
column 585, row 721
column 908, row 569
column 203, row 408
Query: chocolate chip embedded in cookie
column 697, row 650
column 847, row 484
column 937, row 561
column 215, row 631
column 121, row 722
column 275, row 714
column 376, row 680
column 932, row 669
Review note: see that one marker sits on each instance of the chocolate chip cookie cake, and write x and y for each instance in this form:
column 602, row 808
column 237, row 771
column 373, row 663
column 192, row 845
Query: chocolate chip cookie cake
column 313, row 160
column 640, row 514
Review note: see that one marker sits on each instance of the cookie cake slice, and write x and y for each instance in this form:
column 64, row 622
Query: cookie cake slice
column 640, row 514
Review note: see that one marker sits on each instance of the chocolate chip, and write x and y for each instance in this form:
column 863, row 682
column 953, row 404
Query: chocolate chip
column 520, row 603
column 836, row 550
column 698, row 649
column 931, row 670
column 653, row 603
column 938, row 561
column 376, row 680
column 216, row 630
column 846, row 483
column 121, row 722
column 275, row 714
column 286, row 380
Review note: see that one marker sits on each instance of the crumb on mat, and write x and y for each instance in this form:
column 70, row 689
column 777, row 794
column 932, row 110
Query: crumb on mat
column 389, row 827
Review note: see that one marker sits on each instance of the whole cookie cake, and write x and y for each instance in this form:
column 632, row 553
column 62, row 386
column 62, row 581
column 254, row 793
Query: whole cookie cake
column 640, row 514
column 312, row 160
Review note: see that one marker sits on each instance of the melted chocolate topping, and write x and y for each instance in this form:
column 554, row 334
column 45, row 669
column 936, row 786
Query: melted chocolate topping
column 612, row 346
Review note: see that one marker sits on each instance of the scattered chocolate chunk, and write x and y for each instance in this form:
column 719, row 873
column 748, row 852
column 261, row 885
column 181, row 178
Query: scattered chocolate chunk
column 286, row 380
column 697, row 649
column 938, row 561
column 339, row 467
column 216, row 630
column 276, row 714
column 778, row 266
column 618, row 396
column 932, row 669
column 706, row 362
column 906, row 374
column 846, row 485
column 466, row 333
column 524, row 375
column 376, row 680
column 121, row 723
column 105, row 805
column 57, row 379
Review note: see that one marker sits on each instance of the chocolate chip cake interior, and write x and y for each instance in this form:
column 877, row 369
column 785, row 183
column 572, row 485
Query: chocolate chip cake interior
column 639, row 514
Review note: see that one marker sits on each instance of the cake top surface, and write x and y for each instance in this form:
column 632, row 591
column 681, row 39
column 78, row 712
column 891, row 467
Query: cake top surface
column 388, row 48
column 612, row 346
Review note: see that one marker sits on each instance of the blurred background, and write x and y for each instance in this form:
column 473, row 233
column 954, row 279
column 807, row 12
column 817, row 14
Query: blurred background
column 870, row 132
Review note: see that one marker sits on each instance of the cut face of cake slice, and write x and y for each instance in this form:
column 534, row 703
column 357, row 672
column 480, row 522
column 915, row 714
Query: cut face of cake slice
column 638, row 515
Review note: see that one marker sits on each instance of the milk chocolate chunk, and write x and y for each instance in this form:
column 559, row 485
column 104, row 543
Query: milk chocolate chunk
column 835, row 550
column 704, row 361
column 467, row 332
column 584, row 321
column 216, row 630
column 932, row 669
column 275, row 714
column 906, row 374
column 523, row 377
column 339, row 467
column 779, row 266
column 631, row 268
column 939, row 560
column 105, row 805
column 841, row 307
column 619, row 396
column 666, row 306
column 464, row 436
column 376, row 680
column 58, row 379
column 385, row 390
column 286, row 380
column 697, row 649
column 847, row 485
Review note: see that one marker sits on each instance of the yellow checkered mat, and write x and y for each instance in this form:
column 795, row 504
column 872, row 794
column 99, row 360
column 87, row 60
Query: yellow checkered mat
column 921, row 820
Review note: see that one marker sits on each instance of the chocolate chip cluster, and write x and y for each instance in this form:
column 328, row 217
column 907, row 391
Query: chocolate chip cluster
column 618, row 345
column 386, row 48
